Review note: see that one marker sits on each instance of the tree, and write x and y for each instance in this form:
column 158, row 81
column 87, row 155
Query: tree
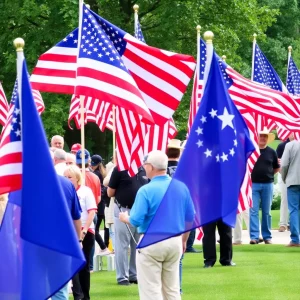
column 167, row 24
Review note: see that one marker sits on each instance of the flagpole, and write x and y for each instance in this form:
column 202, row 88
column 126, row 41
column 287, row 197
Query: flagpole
column 81, row 97
column 253, row 52
column 224, row 58
column 208, row 36
column 136, row 11
column 19, row 44
column 290, row 48
column 114, row 133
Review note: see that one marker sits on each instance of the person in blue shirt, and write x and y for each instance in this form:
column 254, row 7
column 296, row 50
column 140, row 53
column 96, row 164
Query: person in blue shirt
column 157, row 264
column 75, row 210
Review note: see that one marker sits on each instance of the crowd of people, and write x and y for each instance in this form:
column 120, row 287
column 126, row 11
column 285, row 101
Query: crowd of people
column 126, row 206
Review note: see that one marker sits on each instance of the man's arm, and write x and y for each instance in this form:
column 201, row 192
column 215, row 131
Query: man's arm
column 113, row 182
column 77, row 224
column 111, row 192
column 285, row 162
column 185, row 237
column 276, row 170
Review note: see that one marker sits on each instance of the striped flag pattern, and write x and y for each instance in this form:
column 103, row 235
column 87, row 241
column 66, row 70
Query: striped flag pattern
column 11, row 148
column 3, row 106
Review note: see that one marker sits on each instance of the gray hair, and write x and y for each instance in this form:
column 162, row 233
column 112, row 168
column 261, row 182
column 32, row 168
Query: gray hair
column 57, row 137
column 158, row 159
column 60, row 154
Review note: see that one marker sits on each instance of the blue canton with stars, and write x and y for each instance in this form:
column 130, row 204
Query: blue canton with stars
column 202, row 60
column 293, row 78
column 263, row 72
column 70, row 41
column 101, row 41
column 138, row 32
column 15, row 125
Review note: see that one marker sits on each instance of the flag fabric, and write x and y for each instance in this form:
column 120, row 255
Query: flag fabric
column 264, row 73
column 56, row 69
column 293, row 78
column 198, row 83
column 11, row 148
column 3, row 106
column 157, row 136
column 138, row 34
column 219, row 142
column 96, row 111
column 37, row 263
column 161, row 76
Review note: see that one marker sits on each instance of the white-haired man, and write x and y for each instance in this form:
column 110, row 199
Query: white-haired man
column 57, row 141
column 60, row 161
column 157, row 264
column 70, row 159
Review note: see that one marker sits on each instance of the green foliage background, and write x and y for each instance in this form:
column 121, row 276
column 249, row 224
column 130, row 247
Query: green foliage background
column 167, row 24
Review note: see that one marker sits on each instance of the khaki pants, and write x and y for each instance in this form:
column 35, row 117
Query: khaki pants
column 158, row 270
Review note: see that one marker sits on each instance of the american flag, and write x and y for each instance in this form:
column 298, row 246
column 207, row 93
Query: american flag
column 11, row 148
column 138, row 34
column 198, row 83
column 160, row 76
column 264, row 73
column 157, row 136
column 96, row 111
column 3, row 106
column 56, row 69
column 293, row 78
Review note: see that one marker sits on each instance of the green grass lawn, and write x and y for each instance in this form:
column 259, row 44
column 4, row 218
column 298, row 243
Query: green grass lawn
column 262, row 272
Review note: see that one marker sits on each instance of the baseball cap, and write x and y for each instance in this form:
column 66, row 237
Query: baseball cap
column 75, row 148
column 80, row 156
column 96, row 160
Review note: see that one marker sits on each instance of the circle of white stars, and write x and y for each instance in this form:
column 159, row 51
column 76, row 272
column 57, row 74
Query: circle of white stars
column 226, row 120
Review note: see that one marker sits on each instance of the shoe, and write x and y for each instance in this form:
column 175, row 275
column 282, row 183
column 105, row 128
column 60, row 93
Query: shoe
column 218, row 241
column 253, row 242
column 268, row 242
column 260, row 240
column 124, row 282
column 291, row 244
column 133, row 281
column 282, row 228
column 192, row 250
column 207, row 266
column 237, row 243
column 231, row 264
column 104, row 252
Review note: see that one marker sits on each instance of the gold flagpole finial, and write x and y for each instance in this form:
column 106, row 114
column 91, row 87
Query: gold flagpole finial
column 198, row 28
column 254, row 36
column 136, row 8
column 19, row 44
column 290, row 48
column 208, row 36
column 224, row 57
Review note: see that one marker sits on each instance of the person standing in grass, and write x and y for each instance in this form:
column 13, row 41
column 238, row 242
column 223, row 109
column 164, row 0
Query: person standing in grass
column 262, row 188
column 284, row 213
column 157, row 264
column 290, row 173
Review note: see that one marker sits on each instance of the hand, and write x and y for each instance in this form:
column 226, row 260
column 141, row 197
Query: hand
column 123, row 216
column 83, row 234
column 279, row 160
column 183, row 247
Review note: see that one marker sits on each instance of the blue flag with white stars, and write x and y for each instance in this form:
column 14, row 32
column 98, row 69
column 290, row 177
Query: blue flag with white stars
column 212, row 165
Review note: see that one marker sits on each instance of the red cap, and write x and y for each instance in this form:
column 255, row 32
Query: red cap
column 75, row 148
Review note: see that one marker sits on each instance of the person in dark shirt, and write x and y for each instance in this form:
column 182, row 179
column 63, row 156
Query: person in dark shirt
column 284, row 213
column 124, row 188
column 262, row 188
